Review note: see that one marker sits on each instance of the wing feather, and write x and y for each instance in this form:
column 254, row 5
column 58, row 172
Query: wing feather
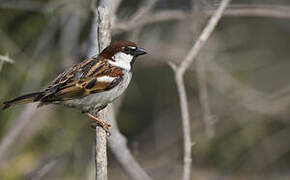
column 92, row 76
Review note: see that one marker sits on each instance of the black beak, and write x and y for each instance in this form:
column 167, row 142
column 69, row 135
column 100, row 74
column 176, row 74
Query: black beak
column 139, row 51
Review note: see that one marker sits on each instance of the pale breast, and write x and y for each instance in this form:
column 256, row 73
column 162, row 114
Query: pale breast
column 97, row 100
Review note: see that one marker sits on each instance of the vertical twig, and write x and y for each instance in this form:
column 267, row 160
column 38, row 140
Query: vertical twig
column 100, row 38
column 104, row 39
column 101, row 161
column 113, row 6
column 179, row 78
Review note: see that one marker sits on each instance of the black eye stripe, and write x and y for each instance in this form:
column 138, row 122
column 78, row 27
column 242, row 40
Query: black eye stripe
column 126, row 50
column 129, row 49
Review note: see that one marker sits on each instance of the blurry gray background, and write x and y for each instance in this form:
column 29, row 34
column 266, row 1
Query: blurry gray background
column 240, row 132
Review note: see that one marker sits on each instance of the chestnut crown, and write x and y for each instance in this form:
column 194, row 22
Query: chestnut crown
column 127, row 47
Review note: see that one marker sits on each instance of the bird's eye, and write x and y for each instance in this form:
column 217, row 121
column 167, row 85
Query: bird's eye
column 126, row 50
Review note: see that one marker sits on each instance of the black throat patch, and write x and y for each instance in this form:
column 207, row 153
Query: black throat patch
column 132, row 63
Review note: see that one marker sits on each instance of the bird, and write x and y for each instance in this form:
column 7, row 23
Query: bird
column 90, row 85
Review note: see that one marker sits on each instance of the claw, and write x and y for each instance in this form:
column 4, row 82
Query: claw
column 98, row 122
column 104, row 126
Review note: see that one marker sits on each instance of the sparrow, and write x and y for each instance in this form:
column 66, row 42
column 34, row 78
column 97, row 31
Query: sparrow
column 91, row 84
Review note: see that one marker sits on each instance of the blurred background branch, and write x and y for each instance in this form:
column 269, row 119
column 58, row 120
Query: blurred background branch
column 179, row 72
column 5, row 59
column 239, row 78
column 118, row 145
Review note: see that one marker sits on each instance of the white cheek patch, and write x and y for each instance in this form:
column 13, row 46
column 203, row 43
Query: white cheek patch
column 107, row 79
column 122, row 60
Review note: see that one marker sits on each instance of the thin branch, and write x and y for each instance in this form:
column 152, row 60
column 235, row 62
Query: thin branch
column 258, row 6
column 43, row 169
column 20, row 124
column 203, row 37
column 118, row 145
column 185, row 123
column 101, row 161
column 11, row 136
column 71, row 27
column 179, row 78
column 101, row 38
column 45, row 39
column 23, row 5
column 161, row 16
column 23, row 122
column 201, row 75
column 12, row 46
column 255, row 12
column 117, row 141
column 267, row 10
column 32, row 6
column 270, row 147
column 6, row 59
column 113, row 6
column 252, row 100
column 132, row 169
column 271, row 11
column 144, row 10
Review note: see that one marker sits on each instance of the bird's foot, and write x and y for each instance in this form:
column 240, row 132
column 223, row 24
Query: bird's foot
column 98, row 122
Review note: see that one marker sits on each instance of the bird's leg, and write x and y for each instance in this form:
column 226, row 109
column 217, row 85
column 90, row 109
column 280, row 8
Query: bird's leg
column 98, row 122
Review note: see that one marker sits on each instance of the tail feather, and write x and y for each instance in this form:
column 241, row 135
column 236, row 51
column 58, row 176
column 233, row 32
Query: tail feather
column 28, row 98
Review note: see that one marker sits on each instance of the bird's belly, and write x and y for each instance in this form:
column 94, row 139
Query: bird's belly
column 97, row 100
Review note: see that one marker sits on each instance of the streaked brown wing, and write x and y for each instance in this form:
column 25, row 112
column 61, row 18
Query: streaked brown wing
column 84, row 88
column 82, row 80
column 78, row 71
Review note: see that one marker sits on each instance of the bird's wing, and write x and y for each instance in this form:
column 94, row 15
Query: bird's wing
column 91, row 76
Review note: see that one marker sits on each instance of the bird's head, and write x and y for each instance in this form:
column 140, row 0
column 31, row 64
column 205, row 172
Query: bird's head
column 122, row 54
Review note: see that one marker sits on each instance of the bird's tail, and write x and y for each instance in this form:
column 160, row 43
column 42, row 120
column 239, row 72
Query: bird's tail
column 28, row 98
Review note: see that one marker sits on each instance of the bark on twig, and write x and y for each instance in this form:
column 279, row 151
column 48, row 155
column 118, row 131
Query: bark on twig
column 185, row 122
column 117, row 141
column 101, row 161
column 100, row 38
column 179, row 78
